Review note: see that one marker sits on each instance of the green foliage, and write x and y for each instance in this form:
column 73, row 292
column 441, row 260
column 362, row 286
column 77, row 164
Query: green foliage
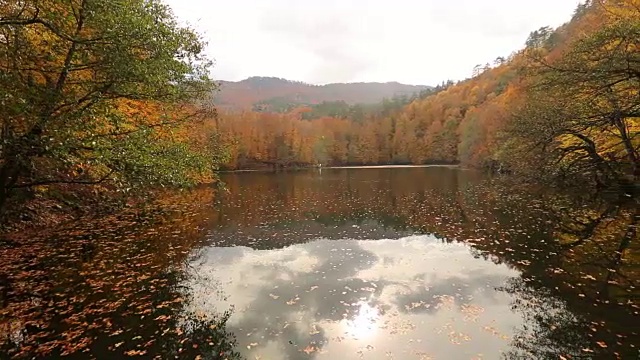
column 141, row 160
column 583, row 110
column 277, row 104
column 87, row 84
column 215, row 152
column 337, row 109
column 539, row 38
column 358, row 112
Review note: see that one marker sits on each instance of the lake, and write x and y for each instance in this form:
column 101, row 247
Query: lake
column 372, row 263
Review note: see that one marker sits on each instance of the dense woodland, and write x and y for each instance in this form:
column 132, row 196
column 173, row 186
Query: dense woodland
column 106, row 103
column 94, row 102
column 99, row 97
column 567, row 105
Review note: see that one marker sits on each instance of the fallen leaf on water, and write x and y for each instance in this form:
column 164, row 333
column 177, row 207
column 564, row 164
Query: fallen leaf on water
column 135, row 352
column 309, row 349
column 293, row 301
column 314, row 330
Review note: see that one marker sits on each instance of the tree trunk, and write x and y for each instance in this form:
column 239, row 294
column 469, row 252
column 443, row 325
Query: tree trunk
column 9, row 173
column 632, row 154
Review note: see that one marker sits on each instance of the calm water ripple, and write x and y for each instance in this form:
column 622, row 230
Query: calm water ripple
column 415, row 263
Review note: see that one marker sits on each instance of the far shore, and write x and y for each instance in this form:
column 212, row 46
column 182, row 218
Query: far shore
column 389, row 166
column 343, row 167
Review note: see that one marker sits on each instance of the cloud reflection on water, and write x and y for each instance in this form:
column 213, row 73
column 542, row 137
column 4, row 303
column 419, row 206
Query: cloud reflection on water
column 407, row 298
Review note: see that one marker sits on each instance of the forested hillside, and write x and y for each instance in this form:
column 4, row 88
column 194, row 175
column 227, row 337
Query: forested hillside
column 89, row 108
column 280, row 95
column 567, row 103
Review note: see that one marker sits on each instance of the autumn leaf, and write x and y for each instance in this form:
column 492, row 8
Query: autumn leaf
column 309, row 349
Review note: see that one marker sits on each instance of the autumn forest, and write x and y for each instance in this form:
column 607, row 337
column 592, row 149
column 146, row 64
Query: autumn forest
column 77, row 113
column 565, row 105
column 130, row 228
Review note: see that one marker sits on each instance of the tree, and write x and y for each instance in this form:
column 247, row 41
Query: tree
column 584, row 108
column 79, row 80
column 538, row 38
column 477, row 70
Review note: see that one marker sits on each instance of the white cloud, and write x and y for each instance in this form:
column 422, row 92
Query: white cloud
column 411, row 41
column 348, row 295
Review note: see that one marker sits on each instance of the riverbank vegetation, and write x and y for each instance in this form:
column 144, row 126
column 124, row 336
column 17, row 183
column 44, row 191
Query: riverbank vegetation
column 99, row 97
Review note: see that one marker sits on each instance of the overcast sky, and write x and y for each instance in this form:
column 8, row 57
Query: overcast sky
column 323, row 41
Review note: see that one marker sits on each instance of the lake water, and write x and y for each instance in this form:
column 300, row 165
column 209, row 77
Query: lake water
column 395, row 263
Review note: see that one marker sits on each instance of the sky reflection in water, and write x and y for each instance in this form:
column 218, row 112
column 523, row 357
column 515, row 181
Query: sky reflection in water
column 333, row 263
column 410, row 298
column 412, row 264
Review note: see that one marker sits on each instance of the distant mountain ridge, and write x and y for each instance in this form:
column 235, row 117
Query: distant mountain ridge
column 276, row 93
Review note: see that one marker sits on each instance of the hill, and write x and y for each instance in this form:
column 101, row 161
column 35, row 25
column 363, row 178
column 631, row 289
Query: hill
column 276, row 94
column 565, row 107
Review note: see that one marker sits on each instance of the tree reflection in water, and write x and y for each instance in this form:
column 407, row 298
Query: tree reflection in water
column 122, row 285
column 110, row 288
column 591, row 275
column 578, row 255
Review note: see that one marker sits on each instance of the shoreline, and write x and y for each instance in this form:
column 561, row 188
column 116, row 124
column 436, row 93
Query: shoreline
column 390, row 166
column 456, row 166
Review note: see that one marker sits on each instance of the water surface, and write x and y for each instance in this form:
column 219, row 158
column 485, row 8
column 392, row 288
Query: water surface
column 396, row 263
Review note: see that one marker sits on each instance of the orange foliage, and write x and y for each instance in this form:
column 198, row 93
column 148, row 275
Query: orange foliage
column 461, row 124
